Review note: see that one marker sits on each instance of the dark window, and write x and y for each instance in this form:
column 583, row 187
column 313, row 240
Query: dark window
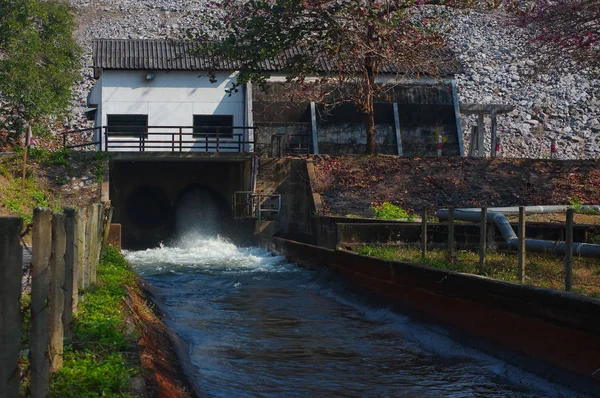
column 210, row 125
column 128, row 125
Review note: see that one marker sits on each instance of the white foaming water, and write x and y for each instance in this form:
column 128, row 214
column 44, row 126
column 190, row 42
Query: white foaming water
column 196, row 252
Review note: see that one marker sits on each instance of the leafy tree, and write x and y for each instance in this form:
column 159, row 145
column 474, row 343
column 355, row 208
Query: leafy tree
column 39, row 63
column 331, row 51
column 562, row 31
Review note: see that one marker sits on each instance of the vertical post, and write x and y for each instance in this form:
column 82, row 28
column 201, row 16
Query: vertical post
column 107, row 221
column 424, row 234
column 11, row 266
column 494, row 134
column 451, row 233
column 88, row 247
column 218, row 139
column 249, row 132
column 481, row 135
column 459, row 133
column 483, row 239
column 522, row 244
column 397, row 128
column 439, row 145
column 313, row 118
column 553, row 149
column 70, row 266
column 105, row 138
column 180, row 139
column 25, row 149
column 80, row 261
column 569, row 251
column 56, row 299
column 40, row 283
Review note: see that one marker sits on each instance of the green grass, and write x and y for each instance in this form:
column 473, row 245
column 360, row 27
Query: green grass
column 99, row 362
column 19, row 200
column 541, row 270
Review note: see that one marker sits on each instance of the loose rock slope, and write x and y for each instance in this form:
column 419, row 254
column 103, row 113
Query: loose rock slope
column 562, row 105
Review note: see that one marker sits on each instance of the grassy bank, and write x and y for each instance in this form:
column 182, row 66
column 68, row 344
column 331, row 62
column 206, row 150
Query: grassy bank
column 103, row 356
column 541, row 270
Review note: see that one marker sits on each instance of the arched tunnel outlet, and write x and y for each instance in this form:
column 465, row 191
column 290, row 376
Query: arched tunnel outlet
column 165, row 201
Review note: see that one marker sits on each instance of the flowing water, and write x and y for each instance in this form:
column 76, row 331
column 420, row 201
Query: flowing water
column 258, row 326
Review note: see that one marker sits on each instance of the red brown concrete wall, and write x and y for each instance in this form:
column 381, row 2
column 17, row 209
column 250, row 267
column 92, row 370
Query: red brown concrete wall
column 555, row 333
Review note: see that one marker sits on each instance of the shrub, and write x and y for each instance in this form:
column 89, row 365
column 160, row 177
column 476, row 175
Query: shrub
column 389, row 211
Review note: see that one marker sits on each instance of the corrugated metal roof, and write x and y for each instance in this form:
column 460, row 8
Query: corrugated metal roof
column 166, row 54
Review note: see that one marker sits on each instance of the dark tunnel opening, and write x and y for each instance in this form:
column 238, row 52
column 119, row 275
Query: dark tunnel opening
column 148, row 207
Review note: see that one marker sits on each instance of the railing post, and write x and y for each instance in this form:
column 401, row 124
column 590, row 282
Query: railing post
column 180, row 139
column 105, row 138
column 64, row 140
column 522, row 244
column 173, row 142
column 218, row 140
column 569, row 251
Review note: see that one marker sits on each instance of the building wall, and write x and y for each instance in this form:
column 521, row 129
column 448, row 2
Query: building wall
column 170, row 99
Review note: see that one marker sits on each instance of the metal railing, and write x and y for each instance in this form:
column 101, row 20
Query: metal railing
column 290, row 144
column 247, row 204
column 179, row 139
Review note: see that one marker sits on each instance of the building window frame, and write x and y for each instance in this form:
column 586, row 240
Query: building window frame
column 124, row 128
column 203, row 126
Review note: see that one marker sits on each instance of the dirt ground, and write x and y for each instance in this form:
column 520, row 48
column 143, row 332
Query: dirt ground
column 352, row 184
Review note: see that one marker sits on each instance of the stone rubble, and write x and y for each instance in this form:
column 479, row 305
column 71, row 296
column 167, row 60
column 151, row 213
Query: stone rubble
column 562, row 106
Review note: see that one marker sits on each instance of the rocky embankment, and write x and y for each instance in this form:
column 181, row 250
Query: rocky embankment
column 562, row 105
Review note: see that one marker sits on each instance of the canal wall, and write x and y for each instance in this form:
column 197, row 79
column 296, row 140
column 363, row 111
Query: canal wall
column 550, row 333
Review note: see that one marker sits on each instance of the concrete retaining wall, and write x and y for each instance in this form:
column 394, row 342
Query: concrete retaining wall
column 551, row 333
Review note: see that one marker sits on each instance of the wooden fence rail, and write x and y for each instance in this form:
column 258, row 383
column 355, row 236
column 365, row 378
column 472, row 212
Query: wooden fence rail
column 66, row 250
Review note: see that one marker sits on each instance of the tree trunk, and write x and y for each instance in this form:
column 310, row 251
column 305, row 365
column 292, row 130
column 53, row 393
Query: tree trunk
column 369, row 106
column 369, row 119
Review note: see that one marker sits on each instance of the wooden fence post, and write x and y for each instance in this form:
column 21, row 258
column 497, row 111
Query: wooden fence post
column 70, row 266
column 483, row 239
column 40, row 283
column 94, row 244
column 569, row 251
column 522, row 245
column 424, row 234
column 87, row 272
column 56, row 298
column 80, row 260
column 107, row 222
column 11, row 269
column 451, row 233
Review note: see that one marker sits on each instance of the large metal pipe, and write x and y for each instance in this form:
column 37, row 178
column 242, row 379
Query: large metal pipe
column 511, row 239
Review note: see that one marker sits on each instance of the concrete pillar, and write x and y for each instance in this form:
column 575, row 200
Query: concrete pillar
column 250, row 134
column 40, row 315
column 461, row 144
column 481, row 135
column 315, row 138
column 494, row 133
column 93, row 221
column 397, row 127
column 88, row 247
column 11, row 266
